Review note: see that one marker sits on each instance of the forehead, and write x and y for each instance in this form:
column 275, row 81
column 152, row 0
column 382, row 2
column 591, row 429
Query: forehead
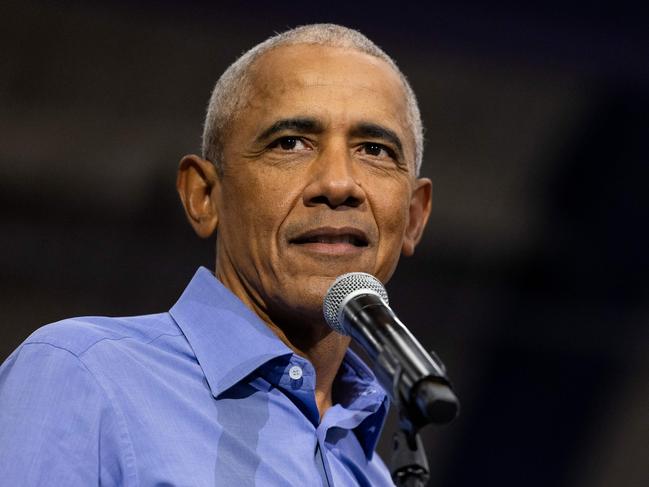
column 338, row 62
column 328, row 82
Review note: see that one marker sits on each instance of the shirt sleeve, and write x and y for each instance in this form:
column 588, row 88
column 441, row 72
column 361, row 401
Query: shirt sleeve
column 57, row 425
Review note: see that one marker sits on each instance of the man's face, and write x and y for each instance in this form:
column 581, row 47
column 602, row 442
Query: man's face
column 318, row 179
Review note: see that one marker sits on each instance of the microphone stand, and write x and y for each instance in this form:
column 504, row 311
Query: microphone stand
column 356, row 305
column 409, row 465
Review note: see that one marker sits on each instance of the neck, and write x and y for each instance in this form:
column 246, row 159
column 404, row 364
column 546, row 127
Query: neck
column 308, row 336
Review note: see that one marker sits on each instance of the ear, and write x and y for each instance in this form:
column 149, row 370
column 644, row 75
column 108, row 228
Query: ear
column 420, row 205
column 198, row 185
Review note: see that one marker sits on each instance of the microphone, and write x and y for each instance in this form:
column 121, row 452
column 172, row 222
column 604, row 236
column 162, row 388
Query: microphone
column 356, row 304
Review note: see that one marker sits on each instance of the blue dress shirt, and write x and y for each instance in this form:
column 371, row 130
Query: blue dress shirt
column 204, row 395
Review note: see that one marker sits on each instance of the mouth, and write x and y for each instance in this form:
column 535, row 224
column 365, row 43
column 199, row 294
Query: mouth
column 332, row 240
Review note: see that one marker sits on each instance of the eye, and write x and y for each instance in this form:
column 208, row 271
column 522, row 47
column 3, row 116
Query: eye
column 377, row 150
column 288, row 144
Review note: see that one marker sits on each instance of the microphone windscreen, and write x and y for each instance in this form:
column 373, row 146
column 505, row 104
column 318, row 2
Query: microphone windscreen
column 345, row 287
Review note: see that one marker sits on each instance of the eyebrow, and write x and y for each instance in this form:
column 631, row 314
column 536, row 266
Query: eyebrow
column 374, row 131
column 302, row 125
column 310, row 125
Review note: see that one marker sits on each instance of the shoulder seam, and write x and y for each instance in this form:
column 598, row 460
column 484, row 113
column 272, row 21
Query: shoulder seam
column 128, row 338
column 79, row 354
column 53, row 346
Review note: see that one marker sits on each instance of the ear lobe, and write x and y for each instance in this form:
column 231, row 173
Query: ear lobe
column 198, row 184
column 420, row 206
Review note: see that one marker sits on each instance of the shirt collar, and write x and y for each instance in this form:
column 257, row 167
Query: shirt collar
column 229, row 340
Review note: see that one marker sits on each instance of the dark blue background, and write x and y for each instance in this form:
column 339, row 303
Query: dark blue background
column 531, row 282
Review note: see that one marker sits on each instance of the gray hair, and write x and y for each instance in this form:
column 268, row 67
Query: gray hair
column 231, row 90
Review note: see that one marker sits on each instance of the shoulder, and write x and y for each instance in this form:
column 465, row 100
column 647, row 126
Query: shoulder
column 79, row 335
column 55, row 411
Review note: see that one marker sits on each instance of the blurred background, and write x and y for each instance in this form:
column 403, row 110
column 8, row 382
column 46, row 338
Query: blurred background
column 531, row 283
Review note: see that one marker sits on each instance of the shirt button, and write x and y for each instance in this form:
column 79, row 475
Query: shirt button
column 295, row 372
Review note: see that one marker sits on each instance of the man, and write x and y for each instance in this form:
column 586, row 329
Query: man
column 311, row 150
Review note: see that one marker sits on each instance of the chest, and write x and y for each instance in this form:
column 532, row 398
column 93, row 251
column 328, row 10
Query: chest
column 250, row 436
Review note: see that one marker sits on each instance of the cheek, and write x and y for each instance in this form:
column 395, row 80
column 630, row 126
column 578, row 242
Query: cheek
column 256, row 202
column 392, row 215
column 392, row 210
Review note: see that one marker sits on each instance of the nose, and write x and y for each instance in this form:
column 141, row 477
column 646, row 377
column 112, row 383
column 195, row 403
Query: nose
column 332, row 180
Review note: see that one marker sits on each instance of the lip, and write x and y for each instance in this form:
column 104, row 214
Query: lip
column 333, row 241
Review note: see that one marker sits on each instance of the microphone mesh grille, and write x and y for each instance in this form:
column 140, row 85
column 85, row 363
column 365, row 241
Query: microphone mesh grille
column 341, row 288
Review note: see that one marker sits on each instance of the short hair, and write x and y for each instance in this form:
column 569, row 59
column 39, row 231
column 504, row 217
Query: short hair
column 230, row 92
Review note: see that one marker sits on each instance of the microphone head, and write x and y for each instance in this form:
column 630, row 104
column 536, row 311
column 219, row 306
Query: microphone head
column 345, row 287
